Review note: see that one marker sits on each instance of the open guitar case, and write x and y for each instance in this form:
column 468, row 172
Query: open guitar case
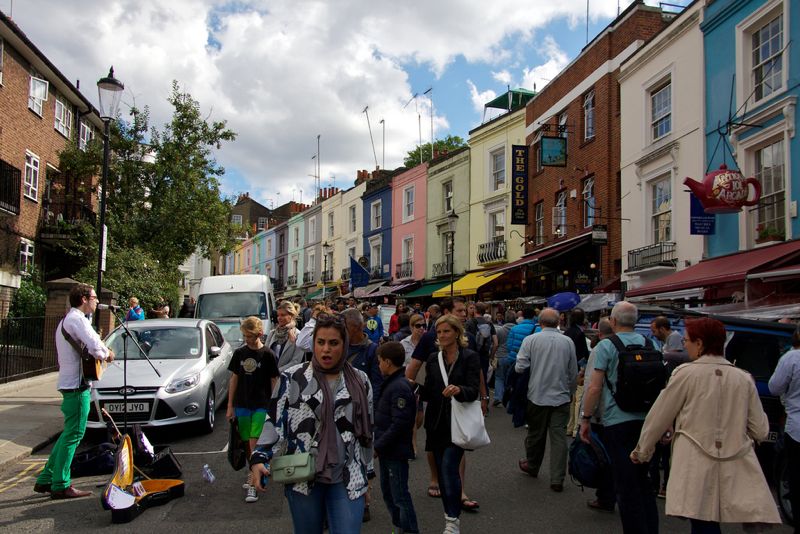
column 128, row 497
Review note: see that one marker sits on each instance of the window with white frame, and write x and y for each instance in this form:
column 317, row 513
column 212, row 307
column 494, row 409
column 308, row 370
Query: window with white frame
column 447, row 196
column 25, row 256
column 562, row 124
column 296, row 234
column 767, row 50
column 312, row 262
column 37, row 94
column 63, row 120
column 31, row 175
column 538, row 217
column 312, row 230
column 589, row 202
column 661, row 110
column 352, row 218
column 588, row 115
column 269, row 248
column 85, row 135
column 295, row 267
column 408, row 203
column 498, row 162
column 351, row 252
column 375, row 251
column 661, row 209
column 375, row 215
column 330, row 224
column 447, row 249
column 497, row 225
column 408, row 249
column 262, row 224
column 771, row 172
column 560, row 214
column 236, row 219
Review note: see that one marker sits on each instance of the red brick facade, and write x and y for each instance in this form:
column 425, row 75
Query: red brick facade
column 588, row 157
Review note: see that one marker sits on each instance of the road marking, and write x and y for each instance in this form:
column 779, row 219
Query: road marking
column 224, row 449
column 19, row 478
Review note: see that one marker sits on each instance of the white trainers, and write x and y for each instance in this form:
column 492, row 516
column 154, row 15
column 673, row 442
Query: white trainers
column 452, row 525
column 249, row 482
column 252, row 496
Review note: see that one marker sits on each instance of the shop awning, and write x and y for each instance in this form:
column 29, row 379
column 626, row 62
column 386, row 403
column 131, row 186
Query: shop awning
column 547, row 253
column 722, row 269
column 466, row 285
column 426, row 290
column 331, row 291
column 363, row 292
column 390, row 290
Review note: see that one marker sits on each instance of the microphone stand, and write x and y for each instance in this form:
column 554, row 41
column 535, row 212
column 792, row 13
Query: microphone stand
column 125, row 335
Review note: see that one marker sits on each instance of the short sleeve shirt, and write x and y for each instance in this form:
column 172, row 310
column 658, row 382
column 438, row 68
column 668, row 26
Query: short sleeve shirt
column 606, row 359
column 255, row 369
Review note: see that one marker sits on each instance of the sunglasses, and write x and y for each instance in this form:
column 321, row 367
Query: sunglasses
column 419, row 325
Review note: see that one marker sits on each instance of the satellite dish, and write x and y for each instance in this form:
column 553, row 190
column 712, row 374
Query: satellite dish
column 363, row 261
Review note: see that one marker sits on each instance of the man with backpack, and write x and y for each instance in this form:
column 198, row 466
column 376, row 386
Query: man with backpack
column 628, row 373
column 485, row 337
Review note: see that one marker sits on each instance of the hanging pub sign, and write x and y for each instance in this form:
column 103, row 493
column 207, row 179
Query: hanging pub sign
column 553, row 151
column 700, row 222
column 599, row 234
column 725, row 190
column 519, row 181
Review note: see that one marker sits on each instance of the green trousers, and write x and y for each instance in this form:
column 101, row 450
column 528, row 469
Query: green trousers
column 75, row 408
column 544, row 421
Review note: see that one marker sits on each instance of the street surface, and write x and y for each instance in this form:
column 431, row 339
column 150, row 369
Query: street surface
column 510, row 500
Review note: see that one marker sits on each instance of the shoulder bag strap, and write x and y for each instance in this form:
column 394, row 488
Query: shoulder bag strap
column 441, row 368
column 71, row 340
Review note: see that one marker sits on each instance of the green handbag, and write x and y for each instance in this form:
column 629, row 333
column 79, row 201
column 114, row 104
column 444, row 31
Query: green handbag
column 294, row 468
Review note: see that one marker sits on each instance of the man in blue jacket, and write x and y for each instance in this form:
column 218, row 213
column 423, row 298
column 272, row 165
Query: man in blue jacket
column 395, row 412
column 519, row 332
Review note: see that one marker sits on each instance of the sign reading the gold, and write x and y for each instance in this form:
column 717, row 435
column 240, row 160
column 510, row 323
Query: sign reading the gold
column 519, row 182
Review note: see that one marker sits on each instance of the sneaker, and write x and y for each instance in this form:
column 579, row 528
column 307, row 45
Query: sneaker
column 452, row 525
column 662, row 493
column 252, row 496
column 249, row 483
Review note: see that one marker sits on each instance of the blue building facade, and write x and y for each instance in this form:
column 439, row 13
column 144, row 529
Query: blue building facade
column 377, row 202
column 752, row 86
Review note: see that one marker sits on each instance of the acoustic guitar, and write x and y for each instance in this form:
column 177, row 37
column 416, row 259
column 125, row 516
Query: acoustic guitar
column 91, row 367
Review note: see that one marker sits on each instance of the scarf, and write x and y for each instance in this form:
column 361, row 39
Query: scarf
column 282, row 334
column 327, row 452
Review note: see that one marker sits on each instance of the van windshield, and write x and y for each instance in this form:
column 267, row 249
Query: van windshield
column 215, row 305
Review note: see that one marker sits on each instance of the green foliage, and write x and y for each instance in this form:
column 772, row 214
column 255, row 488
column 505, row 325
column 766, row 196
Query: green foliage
column 448, row 144
column 30, row 298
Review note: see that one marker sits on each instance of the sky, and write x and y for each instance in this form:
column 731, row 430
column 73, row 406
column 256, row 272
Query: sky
column 282, row 72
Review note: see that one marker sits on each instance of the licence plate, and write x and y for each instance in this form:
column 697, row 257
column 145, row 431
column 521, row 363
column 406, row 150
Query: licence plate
column 133, row 407
column 772, row 437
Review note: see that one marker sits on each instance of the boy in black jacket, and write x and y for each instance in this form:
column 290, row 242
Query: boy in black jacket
column 395, row 412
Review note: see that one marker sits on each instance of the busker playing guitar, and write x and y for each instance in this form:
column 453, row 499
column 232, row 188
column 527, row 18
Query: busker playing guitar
column 75, row 387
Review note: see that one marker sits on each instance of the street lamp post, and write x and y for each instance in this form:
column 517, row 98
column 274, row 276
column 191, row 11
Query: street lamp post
column 326, row 249
column 109, row 91
column 452, row 220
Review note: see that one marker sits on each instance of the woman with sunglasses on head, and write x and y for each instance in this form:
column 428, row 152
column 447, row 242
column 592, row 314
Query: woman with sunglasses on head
column 325, row 404
column 463, row 368
column 715, row 476
column 282, row 339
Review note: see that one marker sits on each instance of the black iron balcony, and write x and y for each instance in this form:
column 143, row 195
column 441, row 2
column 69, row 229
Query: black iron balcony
column 492, row 252
column 327, row 276
column 292, row 280
column 309, row 277
column 441, row 269
column 375, row 273
column 279, row 285
column 404, row 270
column 10, row 185
column 658, row 255
column 61, row 220
column 346, row 274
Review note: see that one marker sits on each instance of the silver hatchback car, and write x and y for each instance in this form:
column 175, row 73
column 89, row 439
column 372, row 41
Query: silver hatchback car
column 192, row 357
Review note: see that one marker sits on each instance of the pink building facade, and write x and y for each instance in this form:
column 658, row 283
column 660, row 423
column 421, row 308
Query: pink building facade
column 409, row 213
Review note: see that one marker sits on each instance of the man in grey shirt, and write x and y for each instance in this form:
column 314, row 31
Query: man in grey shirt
column 671, row 343
column 550, row 355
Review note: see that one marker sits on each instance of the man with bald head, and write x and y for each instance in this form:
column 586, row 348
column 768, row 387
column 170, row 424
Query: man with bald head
column 550, row 355
column 621, row 429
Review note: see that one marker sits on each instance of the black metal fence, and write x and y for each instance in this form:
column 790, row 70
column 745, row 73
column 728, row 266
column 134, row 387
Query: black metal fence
column 23, row 348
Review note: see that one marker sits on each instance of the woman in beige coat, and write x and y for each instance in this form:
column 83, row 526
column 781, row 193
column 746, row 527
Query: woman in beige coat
column 715, row 476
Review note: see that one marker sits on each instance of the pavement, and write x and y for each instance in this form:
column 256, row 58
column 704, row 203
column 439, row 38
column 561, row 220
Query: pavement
column 30, row 417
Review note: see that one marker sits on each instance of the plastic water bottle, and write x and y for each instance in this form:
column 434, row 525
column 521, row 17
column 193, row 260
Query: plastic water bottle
column 208, row 476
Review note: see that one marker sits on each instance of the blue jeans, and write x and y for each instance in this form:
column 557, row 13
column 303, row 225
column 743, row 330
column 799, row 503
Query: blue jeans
column 394, row 486
column 344, row 515
column 635, row 497
column 500, row 375
column 447, row 461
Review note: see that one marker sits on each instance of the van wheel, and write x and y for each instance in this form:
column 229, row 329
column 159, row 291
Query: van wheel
column 207, row 424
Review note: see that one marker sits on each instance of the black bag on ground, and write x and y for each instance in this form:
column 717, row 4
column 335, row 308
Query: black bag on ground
column 97, row 460
column 641, row 375
column 237, row 456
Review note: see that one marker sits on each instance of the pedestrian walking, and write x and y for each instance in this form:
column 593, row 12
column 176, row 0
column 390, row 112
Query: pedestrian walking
column 717, row 415
column 324, row 404
column 362, row 352
column 500, row 360
column 550, row 356
column 417, row 324
column 74, row 335
column 282, row 340
column 577, row 320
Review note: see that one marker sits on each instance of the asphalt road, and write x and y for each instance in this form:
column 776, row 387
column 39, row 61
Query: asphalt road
column 511, row 502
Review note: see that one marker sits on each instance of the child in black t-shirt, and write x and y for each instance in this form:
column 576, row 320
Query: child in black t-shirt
column 250, row 389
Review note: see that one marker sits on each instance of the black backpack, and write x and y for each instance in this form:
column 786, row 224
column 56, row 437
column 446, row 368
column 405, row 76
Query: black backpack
column 588, row 462
column 641, row 375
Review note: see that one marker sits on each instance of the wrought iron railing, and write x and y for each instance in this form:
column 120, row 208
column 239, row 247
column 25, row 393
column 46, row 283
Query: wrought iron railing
column 10, row 186
column 657, row 255
column 375, row 273
column 327, row 276
column 404, row 270
column 292, row 280
column 309, row 277
column 279, row 284
column 441, row 269
column 493, row 251
column 23, row 351
column 346, row 274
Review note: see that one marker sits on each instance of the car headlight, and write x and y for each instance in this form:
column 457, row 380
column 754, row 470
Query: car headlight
column 183, row 384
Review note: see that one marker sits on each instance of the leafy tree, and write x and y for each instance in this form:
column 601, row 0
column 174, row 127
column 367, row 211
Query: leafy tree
column 30, row 298
column 448, row 144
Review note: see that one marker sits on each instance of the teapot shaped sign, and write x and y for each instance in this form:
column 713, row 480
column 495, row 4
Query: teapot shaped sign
column 725, row 191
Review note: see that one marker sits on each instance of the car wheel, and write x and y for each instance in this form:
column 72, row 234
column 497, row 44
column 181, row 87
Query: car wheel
column 207, row 424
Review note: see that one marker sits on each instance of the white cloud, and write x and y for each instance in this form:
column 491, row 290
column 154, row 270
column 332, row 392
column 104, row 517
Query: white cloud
column 538, row 76
column 281, row 72
column 502, row 76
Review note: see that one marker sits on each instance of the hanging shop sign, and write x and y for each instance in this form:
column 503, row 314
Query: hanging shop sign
column 553, row 151
column 519, row 181
column 725, row 190
column 599, row 234
column 700, row 222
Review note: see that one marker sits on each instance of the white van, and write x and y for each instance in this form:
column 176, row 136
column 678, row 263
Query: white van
column 227, row 298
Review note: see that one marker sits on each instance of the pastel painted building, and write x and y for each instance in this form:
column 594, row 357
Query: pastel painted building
column 281, row 256
column 377, row 220
column 331, row 233
column 295, row 255
column 409, row 211
column 312, row 219
column 352, row 226
column 268, row 251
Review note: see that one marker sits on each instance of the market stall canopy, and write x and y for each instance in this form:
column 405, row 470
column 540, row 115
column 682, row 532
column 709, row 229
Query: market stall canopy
column 598, row 301
column 426, row 290
column 364, row 292
column 466, row 285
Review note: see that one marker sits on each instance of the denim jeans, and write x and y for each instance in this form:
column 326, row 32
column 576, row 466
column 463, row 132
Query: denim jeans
column 704, row 527
column 344, row 515
column 635, row 497
column 394, row 486
column 447, row 462
column 500, row 375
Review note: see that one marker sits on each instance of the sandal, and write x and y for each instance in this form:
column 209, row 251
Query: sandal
column 433, row 491
column 468, row 505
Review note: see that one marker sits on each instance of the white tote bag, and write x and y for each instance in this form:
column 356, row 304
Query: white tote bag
column 467, row 428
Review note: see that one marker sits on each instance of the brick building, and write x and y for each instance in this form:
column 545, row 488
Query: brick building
column 581, row 106
column 41, row 111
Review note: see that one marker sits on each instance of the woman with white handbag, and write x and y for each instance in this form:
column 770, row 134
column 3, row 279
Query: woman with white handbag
column 452, row 376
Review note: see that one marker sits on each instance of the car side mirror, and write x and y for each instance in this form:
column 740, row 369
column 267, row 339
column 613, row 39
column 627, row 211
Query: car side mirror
column 213, row 352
